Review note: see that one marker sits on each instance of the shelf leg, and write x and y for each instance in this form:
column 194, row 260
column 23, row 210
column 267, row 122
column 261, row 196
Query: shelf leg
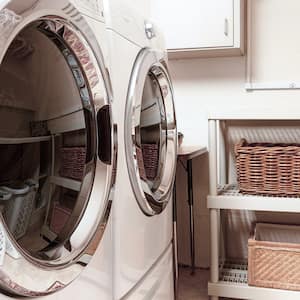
column 222, row 153
column 214, row 244
column 191, row 207
column 214, row 213
column 213, row 159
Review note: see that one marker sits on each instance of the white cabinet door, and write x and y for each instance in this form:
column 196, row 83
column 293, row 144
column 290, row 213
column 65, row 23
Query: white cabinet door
column 195, row 23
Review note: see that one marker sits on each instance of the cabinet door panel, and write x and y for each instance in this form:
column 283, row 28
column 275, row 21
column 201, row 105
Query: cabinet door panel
column 195, row 23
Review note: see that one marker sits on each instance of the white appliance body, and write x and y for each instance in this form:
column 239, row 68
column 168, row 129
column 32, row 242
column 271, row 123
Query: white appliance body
column 142, row 232
column 75, row 267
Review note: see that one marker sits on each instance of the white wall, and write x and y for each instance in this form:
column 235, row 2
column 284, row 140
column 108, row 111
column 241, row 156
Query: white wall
column 203, row 86
column 142, row 6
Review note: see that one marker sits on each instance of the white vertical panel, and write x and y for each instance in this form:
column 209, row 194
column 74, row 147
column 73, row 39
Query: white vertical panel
column 274, row 48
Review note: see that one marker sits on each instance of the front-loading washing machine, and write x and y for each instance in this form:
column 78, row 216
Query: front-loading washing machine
column 147, row 145
column 57, row 151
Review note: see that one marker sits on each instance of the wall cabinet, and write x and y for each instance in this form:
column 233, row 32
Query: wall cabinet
column 200, row 27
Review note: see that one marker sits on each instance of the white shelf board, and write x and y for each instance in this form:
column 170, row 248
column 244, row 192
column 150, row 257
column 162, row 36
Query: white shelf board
column 286, row 114
column 233, row 284
column 66, row 182
column 244, row 291
column 28, row 140
column 230, row 198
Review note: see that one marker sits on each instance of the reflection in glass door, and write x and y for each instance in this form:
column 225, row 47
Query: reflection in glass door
column 48, row 135
column 151, row 139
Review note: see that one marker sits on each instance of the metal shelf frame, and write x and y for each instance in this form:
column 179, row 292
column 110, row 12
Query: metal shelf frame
column 230, row 281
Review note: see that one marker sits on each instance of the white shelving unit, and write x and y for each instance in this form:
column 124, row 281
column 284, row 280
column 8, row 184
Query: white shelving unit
column 229, row 279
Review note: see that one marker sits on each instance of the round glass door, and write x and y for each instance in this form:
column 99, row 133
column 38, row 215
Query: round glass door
column 151, row 139
column 55, row 133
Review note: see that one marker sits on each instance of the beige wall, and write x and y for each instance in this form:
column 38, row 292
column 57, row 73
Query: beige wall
column 203, row 86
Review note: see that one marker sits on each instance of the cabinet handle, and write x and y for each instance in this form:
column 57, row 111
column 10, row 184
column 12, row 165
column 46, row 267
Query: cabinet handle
column 226, row 26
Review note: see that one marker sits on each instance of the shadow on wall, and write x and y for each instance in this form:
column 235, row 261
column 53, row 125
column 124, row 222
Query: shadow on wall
column 200, row 185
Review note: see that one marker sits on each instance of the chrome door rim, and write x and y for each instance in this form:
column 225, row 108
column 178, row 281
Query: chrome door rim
column 151, row 202
column 65, row 262
column 57, row 23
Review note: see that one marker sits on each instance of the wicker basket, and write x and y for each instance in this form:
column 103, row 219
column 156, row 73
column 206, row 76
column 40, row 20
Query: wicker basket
column 268, row 169
column 73, row 162
column 147, row 158
column 150, row 157
column 59, row 218
column 274, row 257
column 140, row 161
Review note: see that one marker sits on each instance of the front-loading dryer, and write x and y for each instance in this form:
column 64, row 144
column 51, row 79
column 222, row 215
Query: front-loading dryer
column 147, row 145
column 57, row 151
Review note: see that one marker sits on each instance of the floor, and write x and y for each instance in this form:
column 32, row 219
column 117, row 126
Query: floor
column 192, row 287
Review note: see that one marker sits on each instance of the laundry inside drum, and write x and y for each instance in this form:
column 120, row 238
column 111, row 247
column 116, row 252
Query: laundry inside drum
column 46, row 137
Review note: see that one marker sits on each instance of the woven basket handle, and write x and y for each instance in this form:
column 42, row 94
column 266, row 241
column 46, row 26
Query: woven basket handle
column 240, row 144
